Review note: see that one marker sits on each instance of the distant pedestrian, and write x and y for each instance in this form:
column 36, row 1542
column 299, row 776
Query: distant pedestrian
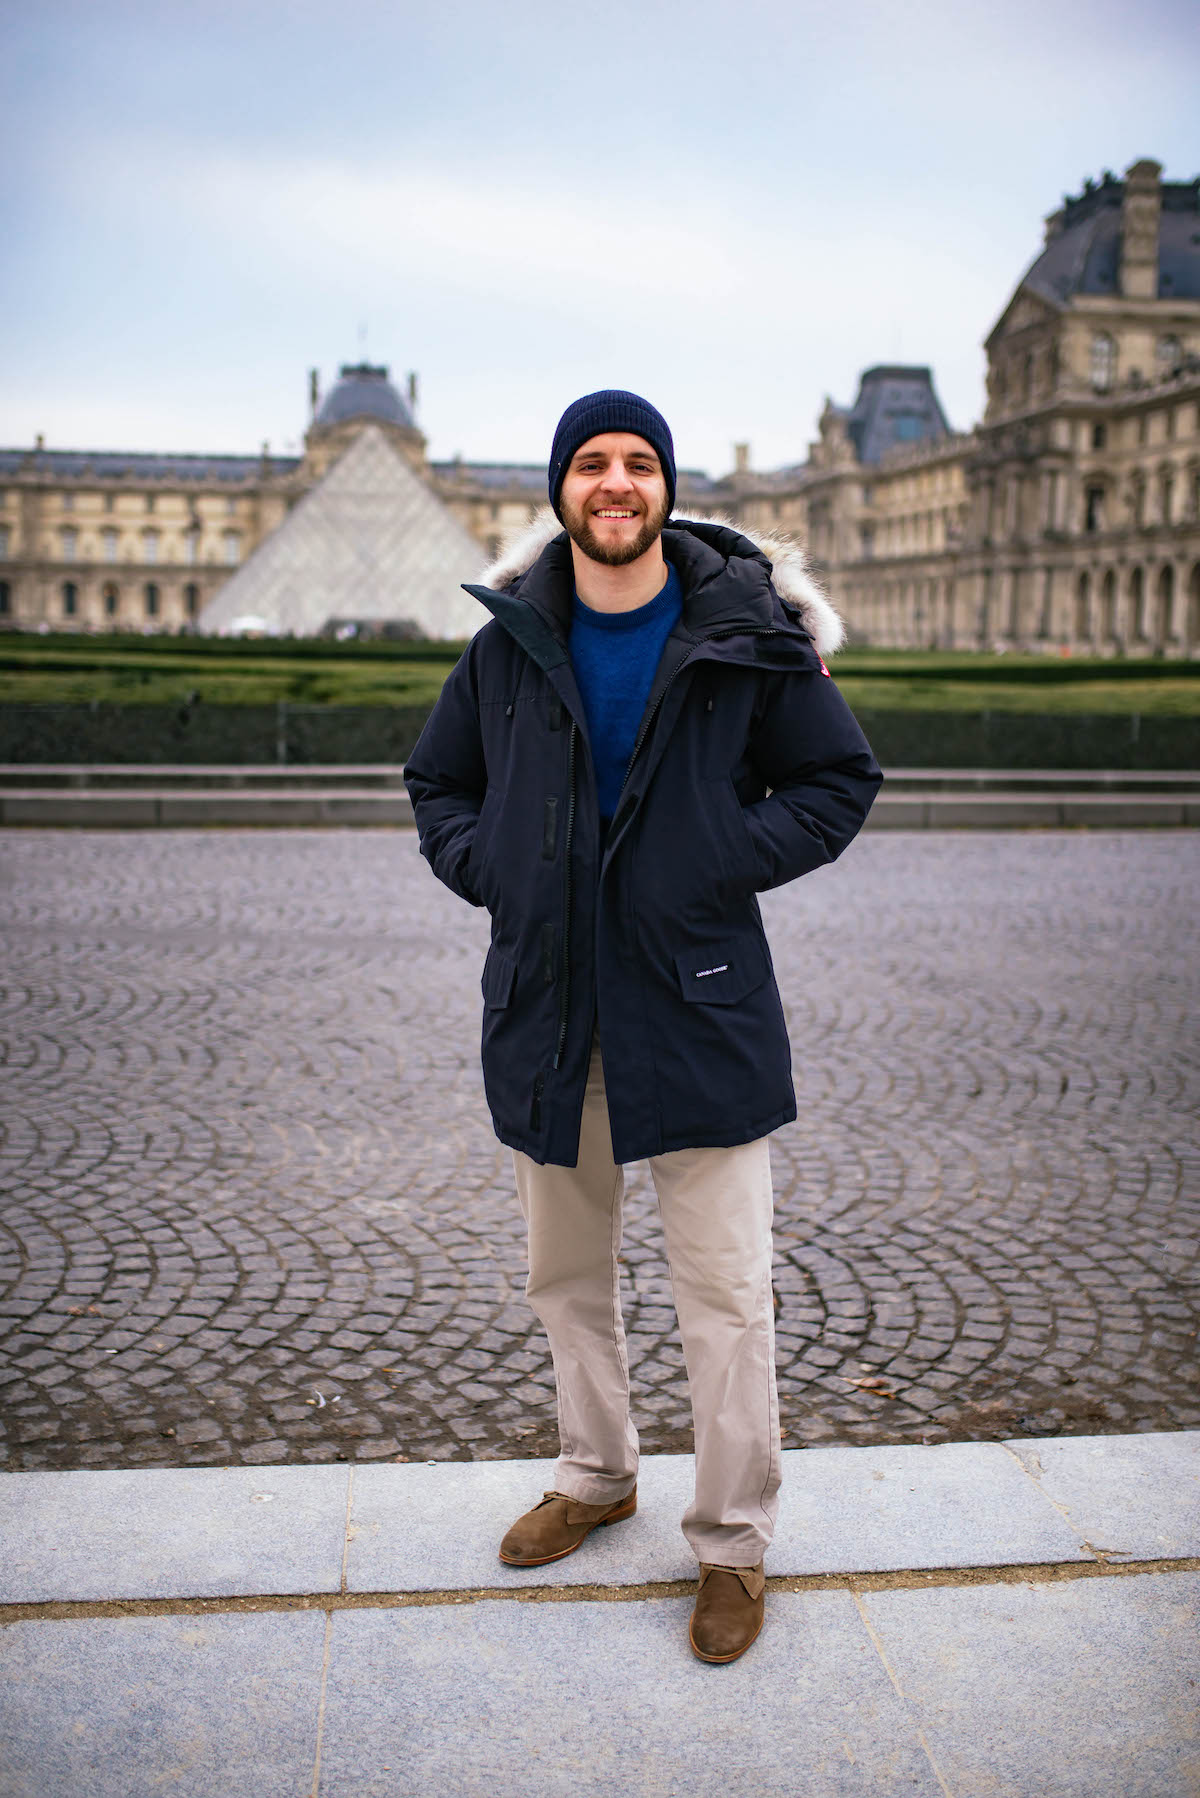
column 643, row 739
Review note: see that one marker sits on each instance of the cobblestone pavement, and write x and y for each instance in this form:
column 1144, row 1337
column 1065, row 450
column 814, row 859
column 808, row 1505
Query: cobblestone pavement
column 253, row 1210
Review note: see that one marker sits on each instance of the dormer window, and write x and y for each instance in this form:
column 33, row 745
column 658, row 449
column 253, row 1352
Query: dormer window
column 1103, row 361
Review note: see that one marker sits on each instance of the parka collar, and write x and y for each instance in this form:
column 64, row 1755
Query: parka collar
column 731, row 579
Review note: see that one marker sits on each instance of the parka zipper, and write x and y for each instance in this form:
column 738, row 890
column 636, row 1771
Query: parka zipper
column 760, row 630
column 564, row 1001
column 564, row 998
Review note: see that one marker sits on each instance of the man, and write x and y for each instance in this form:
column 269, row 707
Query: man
column 642, row 739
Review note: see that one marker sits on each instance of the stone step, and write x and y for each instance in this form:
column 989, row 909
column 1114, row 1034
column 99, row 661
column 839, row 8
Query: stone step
column 136, row 808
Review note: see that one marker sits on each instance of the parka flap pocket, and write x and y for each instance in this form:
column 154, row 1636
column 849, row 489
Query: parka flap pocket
column 499, row 977
column 722, row 973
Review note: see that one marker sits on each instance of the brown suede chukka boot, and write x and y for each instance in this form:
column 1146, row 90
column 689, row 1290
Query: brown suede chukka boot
column 728, row 1613
column 557, row 1526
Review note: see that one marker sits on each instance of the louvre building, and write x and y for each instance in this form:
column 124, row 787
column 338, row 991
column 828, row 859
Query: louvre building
column 1067, row 520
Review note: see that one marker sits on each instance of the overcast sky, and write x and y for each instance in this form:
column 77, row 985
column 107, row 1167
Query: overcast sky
column 732, row 208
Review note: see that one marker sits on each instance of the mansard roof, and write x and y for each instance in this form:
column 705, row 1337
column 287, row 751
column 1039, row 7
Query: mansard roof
column 1083, row 253
column 135, row 466
column 896, row 406
column 363, row 391
column 527, row 476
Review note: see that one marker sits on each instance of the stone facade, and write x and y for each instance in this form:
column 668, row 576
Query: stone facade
column 1067, row 521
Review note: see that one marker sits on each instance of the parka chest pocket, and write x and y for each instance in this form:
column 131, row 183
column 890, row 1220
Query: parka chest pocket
column 722, row 973
column 499, row 978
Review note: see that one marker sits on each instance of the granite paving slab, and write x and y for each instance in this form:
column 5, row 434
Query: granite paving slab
column 161, row 1707
column 426, row 1528
column 1132, row 1497
column 961, row 1504
column 171, row 1533
column 594, row 1700
column 1071, row 1689
column 842, row 1510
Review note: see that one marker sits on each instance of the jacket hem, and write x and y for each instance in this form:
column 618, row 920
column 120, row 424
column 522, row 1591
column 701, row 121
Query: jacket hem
column 732, row 1137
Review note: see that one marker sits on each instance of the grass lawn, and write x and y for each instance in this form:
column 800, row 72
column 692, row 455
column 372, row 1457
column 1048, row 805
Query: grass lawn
column 63, row 670
column 127, row 670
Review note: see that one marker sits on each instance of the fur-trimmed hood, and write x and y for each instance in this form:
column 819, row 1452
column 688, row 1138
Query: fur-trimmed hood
column 790, row 573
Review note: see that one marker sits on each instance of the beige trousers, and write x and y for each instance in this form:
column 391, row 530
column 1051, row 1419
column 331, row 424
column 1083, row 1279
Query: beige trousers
column 716, row 1210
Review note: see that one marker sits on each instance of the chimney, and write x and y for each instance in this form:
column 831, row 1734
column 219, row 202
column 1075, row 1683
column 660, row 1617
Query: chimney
column 314, row 392
column 1139, row 230
column 412, row 392
column 741, row 458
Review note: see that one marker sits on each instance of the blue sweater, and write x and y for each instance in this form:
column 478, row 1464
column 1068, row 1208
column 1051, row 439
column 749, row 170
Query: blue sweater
column 615, row 656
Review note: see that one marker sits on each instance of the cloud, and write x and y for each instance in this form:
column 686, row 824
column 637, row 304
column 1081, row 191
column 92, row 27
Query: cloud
column 329, row 219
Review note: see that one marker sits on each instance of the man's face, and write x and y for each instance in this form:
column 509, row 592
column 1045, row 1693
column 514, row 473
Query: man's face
column 614, row 498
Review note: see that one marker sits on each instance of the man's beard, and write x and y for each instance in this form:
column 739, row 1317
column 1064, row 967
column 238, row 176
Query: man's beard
column 615, row 555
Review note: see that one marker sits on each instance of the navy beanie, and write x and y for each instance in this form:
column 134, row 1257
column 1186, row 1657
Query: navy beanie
column 611, row 410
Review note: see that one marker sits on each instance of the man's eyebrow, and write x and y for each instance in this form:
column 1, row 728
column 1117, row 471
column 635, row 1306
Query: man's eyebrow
column 586, row 455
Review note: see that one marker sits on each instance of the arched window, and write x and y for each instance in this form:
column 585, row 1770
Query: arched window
column 1103, row 361
column 1166, row 597
column 1166, row 495
column 112, row 600
column 191, row 599
column 150, row 595
column 1083, row 607
column 1137, row 604
column 1168, row 354
column 1046, row 618
column 70, row 599
column 1139, row 501
column 1108, row 607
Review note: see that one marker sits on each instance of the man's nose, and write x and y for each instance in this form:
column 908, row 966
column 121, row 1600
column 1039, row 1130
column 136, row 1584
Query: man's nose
column 616, row 479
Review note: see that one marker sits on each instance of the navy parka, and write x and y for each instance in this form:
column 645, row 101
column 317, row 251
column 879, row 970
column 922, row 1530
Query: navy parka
column 749, row 771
